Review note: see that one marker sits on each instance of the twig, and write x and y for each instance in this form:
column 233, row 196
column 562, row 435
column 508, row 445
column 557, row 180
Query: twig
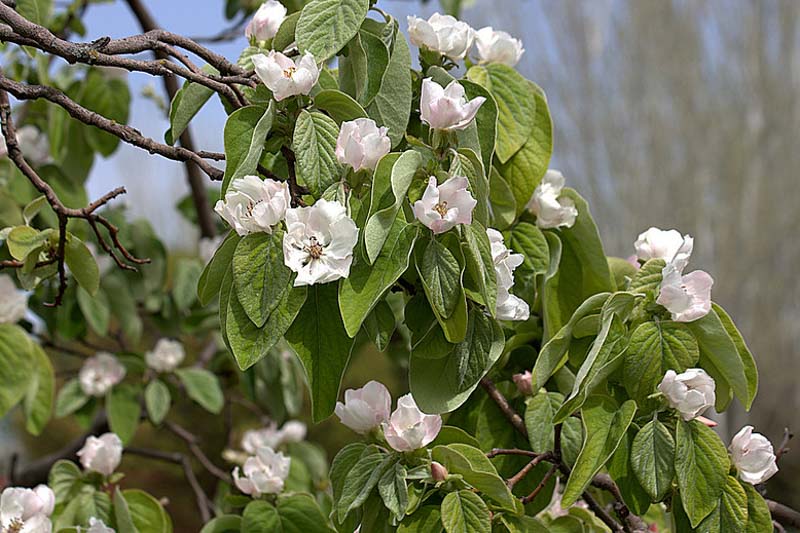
column 510, row 451
column 294, row 189
column 783, row 449
column 502, row 403
column 784, row 514
column 525, row 470
column 228, row 34
column 535, row 492
column 191, row 441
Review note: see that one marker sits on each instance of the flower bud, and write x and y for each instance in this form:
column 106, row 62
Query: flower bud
column 410, row 429
column 753, row 456
column 524, row 382
column 438, row 472
column 293, row 431
column 13, row 302
column 252, row 205
column 99, row 373
column 266, row 21
column 668, row 245
column 550, row 210
column 447, row 108
column 444, row 206
column 166, row 356
column 686, row 297
column 443, row 34
column 264, row 473
column 497, row 47
column 283, row 76
column 101, row 454
column 366, row 408
column 361, row 144
column 691, row 392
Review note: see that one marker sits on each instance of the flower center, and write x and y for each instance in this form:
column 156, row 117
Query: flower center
column 441, row 208
column 15, row 526
column 313, row 249
column 289, row 72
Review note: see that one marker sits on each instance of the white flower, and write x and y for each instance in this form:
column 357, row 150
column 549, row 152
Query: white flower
column 208, row 247
column 26, row 510
column 444, row 206
column 753, row 456
column 266, row 21
column 283, row 76
column 272, row 437
column 166, row 356
column 101, row 454
column 509, row 306
column 668, row 245
column 691, row 392
column 13, row 302
column 33, row 143
column 366, row 408
column 686, row 297
column 252, row 204
column 97, row 526
column 409, row 428
column 447, row 108
column 293, row 431
column 319, row 242
column 264, row 473
column 362, row 143
column 99, row 373
column 550, row 210
column 443, row 34
column 498, row 47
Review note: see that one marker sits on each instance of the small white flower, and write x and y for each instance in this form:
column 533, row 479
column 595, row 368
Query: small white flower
column 166, row 356
column 283, row 76
column 410, row 429
column 668, row 245
column 443, row 34
column 99, row 373
column 550, row 210
column 361, row 144
column 252, row 205
column 366, row 408
column 13, row 302
column 33, row 143
column 272, row 437
column 509, row 306
column 97, row 526
column 691, row 392
column 753, row 456
column 208, row 247
column 498, row 47
column 264, row 473
column 293, row 431
column 101, row 454
column 444, row 206
column 319, row 242
column 266, row 21
column 686, row 297
column 447, row 108
column 26, row 510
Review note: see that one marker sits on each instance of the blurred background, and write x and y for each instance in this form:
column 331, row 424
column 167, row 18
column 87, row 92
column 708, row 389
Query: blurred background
column 671, row 113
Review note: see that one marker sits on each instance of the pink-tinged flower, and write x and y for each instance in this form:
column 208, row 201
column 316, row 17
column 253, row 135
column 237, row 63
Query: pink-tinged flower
column 254, row 205
column 550, row 209
column 509, row 306
column 686, row 297
column 691, row 393
column 266, row 21
column 753, row 456
column 410, row 429
column 361, row 144
column 524, row 382
column 668, row 245
column 264, row 473
column 497, row 47
column 26, row 510
column 13, row 302
column 101, row 454
column 99, row 373
column 366, row 408
column 319, row 242
column 443, row 34
column 444, row 206
column 283, row 76
column 447, row 108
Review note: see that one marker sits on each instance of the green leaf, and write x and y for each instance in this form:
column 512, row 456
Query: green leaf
column 340, row 106
column 750, row 370
column 393, row 490
column 480, row 270
column 124, row 409
column 15, row 368
column 95, row 309
column 482, row 133
column 654, row 348
column 539, row 412
column 426, row 520
column 295, row 513
column 701, row 466
column 379, row 325
column 442, row 384
column 604, row 425
column 366, row 285
column 653, row 458
column 360, row 480
column 70, row 398
column 110, row 98
column 23, row 240
column 147, row 514
column 529, row 240
column 503, row 206
column 355, row 77
column 319, row 338
column 38, row 401
column 227, row 523
column 248, row 343
column 184, row 280
column 391, row 107
column 464, row 512
column 37, row 11
column 392, row 178
column 63, row 477
column 32, row 209
column 759, row 519
column 245, row 132
column 731, row 510
column 325, row 26
column 157, row 399
column 648, row 277
column 314, row 145
column 260, row 276
column 717, row 346
column 469, row 165
column 187, row 103
column 122, row 514
column 203, row 387
column 210, row 280
column 285, row 35
column 440, row 273
column 343, row 464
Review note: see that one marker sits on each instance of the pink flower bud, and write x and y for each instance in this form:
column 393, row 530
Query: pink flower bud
column 523, row 382
column 438, row 471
